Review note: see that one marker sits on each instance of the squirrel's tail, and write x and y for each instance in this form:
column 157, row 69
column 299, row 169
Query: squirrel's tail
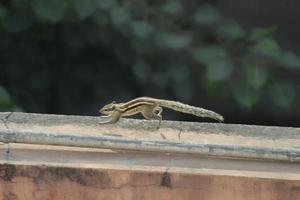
column 200, row 112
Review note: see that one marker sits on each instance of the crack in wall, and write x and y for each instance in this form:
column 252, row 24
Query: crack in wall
column 5, row 120
column 163, row 136
column 155, row 185
column 179, row 134
column 133, row 186
column 7, row 154
column 158, row 185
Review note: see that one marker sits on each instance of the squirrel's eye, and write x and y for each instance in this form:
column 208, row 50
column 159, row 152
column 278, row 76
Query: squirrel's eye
column 109, row 108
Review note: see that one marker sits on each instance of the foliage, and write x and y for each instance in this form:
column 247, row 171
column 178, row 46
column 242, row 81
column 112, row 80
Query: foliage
column 5, row 101
column 59, row 51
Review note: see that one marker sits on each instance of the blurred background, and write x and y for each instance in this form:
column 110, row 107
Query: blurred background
column 238, row 58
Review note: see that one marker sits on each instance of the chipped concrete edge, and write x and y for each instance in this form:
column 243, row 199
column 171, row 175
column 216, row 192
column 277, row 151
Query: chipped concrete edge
column 116, row 143
column 146, row 145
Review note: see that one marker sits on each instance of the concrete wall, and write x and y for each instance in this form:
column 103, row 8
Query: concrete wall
column 73, row 157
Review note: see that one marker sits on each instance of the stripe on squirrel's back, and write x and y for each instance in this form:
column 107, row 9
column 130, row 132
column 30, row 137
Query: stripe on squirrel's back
column 174, row 105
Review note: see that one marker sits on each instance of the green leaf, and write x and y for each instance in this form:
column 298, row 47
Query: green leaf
column 3, row 12
column 267, row 47
column 178, row 72
column 290, row 60
column 19, row 3
column 142, row 29
column 84, row 8
column 219, row 71
column 106, row 4
column 208, row 55
column 141, row 70
column 173, row 7
column 49, row 10
column 174, row 41
column 101, row 19
column 15, row 23
column 185, row 90
column 282, row 93
column 5, row 99
column 119, row 16
column 256, row 77
column 160, row 80
column 259, row 33
column 245, row 95
column 206, row 15
column 229, row 29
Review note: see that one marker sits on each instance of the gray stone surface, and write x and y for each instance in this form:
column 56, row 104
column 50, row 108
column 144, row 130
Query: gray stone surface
column 211, row 139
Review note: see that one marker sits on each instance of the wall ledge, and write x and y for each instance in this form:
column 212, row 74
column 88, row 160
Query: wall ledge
column 208, row 139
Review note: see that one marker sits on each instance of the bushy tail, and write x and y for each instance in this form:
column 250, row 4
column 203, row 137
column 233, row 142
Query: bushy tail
column 200, row 112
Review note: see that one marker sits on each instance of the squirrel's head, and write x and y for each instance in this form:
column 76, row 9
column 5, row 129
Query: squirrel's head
column 108, row 109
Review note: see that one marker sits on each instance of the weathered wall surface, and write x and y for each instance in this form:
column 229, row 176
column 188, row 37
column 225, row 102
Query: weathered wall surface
column 68, row 157
column 42, row 182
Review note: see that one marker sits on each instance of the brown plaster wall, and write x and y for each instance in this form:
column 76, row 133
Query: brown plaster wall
column 19, row 182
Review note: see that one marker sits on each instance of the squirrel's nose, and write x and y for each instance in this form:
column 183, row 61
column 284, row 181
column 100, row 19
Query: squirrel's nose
column 101, row 110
